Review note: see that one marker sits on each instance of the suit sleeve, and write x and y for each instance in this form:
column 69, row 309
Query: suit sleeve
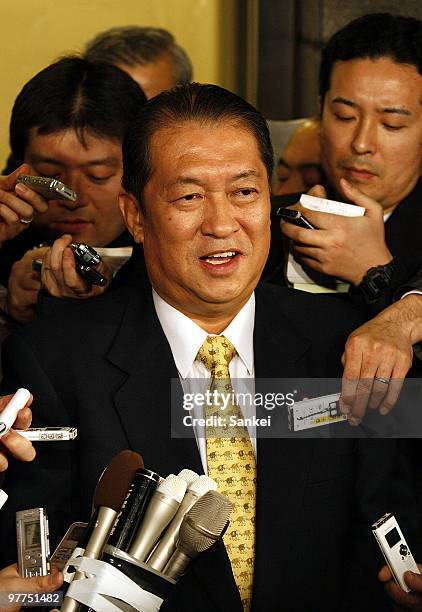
column 29, row 485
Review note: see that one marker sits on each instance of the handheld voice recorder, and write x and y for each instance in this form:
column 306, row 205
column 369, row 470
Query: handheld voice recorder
column 294, row 216
column 86, row 258
column 48, row 434
column 33, row 542
column 49, row 188
column 394, row 548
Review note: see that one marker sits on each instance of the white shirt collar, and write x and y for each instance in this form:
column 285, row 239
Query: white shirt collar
column 186, row 337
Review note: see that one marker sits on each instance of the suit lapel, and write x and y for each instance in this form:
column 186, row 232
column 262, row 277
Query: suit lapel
column 143, row 401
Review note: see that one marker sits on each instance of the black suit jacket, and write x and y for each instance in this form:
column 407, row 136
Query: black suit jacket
column 107, row 370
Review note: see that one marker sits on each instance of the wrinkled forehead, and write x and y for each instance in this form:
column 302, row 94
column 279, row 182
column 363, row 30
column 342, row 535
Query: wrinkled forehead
column 186, row 137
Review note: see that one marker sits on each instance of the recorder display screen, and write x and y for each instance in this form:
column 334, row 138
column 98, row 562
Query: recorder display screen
column 32, row 534
column 392, row 537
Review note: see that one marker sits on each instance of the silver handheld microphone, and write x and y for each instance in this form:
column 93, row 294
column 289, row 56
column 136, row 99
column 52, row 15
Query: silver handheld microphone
column 167, row 543
column 203, row 525
column 110, row 494
column 161, row 509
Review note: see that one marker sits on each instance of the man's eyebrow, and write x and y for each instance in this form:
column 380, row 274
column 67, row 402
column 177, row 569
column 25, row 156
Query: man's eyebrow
column 341, row 100
column 388, row 109
column 192, row 180
column 103, row 161
column 246, row 174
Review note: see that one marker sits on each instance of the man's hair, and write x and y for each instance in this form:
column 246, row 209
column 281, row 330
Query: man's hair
column 75, row 94
column 204, row 104
column 373, row 36
column 132, row 45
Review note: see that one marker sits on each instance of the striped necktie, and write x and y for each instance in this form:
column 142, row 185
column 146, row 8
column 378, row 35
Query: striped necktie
column 231, row 462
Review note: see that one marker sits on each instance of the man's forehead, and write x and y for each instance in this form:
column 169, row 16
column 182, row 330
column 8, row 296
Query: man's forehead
column 192, row 142
column 383, row 73
column 65, row 141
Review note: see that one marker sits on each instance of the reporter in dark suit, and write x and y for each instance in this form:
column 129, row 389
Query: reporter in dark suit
column 197, row 163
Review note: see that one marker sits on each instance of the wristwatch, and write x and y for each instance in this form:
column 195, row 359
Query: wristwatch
column 376, row 281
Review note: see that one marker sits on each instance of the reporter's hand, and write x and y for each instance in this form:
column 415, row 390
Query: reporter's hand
column 17, row 201
column 24, row 285
column 381, row 348
column 342, row 247
column 404, row 601
column 59, row 276
column 11, row 582
column 12, row 442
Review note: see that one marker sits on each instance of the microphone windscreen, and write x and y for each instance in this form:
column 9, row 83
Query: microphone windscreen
column 202, row 484
column 115, row 480
column 204, row 523
column 188, row 475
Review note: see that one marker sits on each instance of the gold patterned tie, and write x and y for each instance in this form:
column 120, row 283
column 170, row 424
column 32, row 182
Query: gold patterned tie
column 231, row 462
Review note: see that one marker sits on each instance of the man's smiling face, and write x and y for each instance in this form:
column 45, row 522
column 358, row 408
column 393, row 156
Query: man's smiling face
column 205, row 223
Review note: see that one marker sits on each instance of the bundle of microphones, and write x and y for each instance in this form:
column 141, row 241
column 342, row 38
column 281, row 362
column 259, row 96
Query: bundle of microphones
column 146, row 527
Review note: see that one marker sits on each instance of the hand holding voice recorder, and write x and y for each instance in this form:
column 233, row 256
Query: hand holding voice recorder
column 86, row 259
column 293, row 216
column 49, row 188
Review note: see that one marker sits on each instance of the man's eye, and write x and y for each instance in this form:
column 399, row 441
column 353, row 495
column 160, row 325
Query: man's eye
column 99, row 180
column 393, row 128
column 190, row 197
column 344, row 118
column 247, row 191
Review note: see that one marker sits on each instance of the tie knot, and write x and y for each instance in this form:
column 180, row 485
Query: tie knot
column 216, row 353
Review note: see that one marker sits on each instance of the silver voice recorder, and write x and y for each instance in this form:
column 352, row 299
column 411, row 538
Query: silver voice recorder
column 33, row 542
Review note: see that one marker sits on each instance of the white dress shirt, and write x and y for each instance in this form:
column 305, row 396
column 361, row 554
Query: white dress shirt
column 186, row 338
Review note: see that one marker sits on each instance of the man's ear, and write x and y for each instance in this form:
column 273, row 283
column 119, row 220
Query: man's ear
column 132, row 215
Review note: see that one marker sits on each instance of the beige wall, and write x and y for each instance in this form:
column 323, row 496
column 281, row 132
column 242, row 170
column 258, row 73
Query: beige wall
column 36, row 32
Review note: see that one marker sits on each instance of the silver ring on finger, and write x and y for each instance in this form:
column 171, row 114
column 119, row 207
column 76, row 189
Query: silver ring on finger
column 26, row 221
column 381, row 379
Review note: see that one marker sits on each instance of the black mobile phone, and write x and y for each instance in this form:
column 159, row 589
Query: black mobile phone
column 86, row 258
column 294, row 216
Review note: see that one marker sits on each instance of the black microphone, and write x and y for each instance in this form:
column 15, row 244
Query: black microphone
column 133, row 509
column 109, row 496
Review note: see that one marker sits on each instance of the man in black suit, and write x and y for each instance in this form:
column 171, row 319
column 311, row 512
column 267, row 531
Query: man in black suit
column 197, row 162
column 371, row 154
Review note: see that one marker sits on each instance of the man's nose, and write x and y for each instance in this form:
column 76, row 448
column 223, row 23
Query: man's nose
column 365, row 137
column 219, row 218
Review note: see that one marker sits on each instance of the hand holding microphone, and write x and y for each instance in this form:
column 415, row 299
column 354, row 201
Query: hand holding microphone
column 14, row 410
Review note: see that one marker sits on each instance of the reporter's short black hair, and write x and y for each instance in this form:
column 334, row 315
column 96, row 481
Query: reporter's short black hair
column 373, row 36
column 73, row 93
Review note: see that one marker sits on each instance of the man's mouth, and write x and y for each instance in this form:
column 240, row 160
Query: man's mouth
column 220, row 258
column 357, row 172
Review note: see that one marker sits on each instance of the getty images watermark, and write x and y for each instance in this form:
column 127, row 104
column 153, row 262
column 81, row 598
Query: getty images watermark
column 282, row 408
column 223, row 401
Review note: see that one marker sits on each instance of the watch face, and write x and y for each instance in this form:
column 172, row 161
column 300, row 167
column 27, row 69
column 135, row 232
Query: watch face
column 376, row 281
